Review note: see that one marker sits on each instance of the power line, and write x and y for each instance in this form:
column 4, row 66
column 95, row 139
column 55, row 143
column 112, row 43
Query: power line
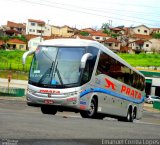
column 91, row 9
column 75, row 10
column 102, row 10
column 137, row 5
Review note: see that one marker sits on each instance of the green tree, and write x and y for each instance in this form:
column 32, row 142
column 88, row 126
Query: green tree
column 114, row 35
column 21, row 37
column 83, row 33
column 4, row 38
column 105, row 26
column 156, row 35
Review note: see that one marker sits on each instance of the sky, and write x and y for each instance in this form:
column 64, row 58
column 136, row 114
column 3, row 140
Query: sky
column 83, row 13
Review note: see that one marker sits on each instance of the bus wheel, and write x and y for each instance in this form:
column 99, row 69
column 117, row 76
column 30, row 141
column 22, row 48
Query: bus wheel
column 92, row 112
column 48, row 110
column 134, row 113
column 129, row 117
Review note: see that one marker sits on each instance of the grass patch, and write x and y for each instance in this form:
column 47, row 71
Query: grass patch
column 12, row 60
column 142, row 59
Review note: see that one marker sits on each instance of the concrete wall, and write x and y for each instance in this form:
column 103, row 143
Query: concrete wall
column 155, row 83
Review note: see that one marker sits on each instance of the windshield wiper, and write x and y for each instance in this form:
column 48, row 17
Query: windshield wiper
column 48, row 71
column 58, row 74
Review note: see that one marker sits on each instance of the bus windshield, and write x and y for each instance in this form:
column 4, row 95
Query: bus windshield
column 56, row 66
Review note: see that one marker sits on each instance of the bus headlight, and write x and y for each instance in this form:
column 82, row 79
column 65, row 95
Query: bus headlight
column 71, row 94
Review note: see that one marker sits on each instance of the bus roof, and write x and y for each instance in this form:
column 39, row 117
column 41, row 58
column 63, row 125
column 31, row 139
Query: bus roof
column 84, row 43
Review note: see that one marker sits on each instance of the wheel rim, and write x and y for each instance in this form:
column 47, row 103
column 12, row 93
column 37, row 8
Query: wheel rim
column 92, row 109
column 128, row 116
column 134, row 114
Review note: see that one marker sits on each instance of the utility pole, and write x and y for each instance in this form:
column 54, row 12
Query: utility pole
column 48, row 22
column 41, row 34
column 110, row 23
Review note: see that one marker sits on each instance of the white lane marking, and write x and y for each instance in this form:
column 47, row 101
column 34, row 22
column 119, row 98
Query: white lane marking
column 142, row 122
column 109, row 119
column 68, row 116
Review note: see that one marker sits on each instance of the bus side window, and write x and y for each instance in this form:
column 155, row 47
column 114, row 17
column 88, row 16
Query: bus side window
column 143, row 83
column 131, row 77
column 104, row 65
column 126, row 75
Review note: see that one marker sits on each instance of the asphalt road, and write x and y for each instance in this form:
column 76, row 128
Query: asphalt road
column 18, row 121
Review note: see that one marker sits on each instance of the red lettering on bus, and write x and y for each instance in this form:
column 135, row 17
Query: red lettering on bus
column 123, row 89
column 49, row 91
column 110, row 84
column 128, row 91
column 131, row 92
column 136, row 94
column 139, row 96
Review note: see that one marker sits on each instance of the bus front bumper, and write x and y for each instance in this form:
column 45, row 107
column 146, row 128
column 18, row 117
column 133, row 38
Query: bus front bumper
column 69, row 101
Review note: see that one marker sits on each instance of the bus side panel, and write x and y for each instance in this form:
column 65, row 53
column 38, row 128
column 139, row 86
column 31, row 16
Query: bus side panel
column 139, row 111
column 110, row 99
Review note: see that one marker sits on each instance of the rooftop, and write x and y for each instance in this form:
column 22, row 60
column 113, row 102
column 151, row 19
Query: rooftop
column 140, row 36
column 1, row 42
column 97, row 33
column 13, row 24
column 111, row 40
column 16, row 41
column 36, row 21
column 85, row 37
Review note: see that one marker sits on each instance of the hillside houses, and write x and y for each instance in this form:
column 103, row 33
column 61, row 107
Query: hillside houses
column 118, row 39
column 112, row 44
column 64, row 31
column 38, row 27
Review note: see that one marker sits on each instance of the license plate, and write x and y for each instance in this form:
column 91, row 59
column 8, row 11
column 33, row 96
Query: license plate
column 48, row 102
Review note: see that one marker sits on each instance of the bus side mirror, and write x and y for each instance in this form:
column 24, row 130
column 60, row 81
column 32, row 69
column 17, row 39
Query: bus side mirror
column 84, row 59
column 26, row 54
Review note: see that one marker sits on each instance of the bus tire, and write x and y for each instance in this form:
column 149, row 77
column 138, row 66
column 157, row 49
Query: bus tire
column 129, row 117
column 48, row 110
column 92, row 113
column 134, row 113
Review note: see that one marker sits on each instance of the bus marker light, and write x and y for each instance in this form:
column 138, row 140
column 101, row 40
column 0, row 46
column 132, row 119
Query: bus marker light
column 82, row 107
column 71, row 99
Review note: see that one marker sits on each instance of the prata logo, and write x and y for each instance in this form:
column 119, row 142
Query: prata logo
column 124, row 89
column 110, row 84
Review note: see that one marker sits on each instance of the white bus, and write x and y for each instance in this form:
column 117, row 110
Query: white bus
column 84, row 76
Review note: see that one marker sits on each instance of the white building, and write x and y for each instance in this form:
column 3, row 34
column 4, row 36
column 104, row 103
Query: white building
column 142, row 29
column 38, row 27
column 153, row 86
column 33, row 43
column 141, row 45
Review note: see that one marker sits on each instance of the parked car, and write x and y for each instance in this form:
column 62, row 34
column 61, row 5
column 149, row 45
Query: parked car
column 150, row 99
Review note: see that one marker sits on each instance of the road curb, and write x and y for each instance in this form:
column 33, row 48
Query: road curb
column 8, row 98
column 149, row 107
